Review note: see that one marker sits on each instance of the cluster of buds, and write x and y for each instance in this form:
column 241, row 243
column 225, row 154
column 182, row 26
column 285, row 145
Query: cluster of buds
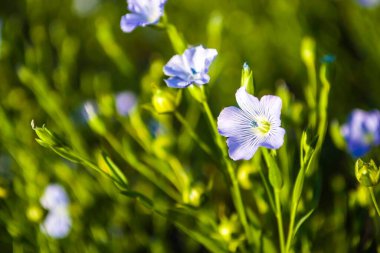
column 368, row 174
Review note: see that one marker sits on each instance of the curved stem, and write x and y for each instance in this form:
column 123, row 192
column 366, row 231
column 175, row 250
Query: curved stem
column 279, row 221
column 235, row 190
column 374, row 200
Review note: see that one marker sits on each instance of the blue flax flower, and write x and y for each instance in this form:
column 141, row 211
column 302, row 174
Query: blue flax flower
column 54, row 196
column 190, row 67
column 125, row 102
column 57, row 223
column 256, row 123
column 369, row 3
column 362, row 131
column 143, row 13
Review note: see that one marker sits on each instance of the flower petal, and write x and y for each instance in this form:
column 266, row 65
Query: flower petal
column 177, row 66
column 175, row 82
column 204, row 78
column 232, row 121
column 130, row 21
column 271, row 106
column 275, row 138
column 247, row 102
column 242, row 147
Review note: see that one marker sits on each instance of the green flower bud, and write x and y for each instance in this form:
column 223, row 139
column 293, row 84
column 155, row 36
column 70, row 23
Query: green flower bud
column 368, row 174
column 308, row 50
column 45, row 137
column 164, row 101
column 196, row 195
column 247, row 79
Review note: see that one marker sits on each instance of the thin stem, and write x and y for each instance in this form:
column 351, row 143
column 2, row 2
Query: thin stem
column 186, row 124
column 279, row 220
column 235, row 190
column 267, row 189
column 291, row 228
column 374, row 200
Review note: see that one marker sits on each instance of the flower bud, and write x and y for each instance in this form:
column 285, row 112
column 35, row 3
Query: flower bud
column 45, row 137
column 308, row 50
column 368, row 174
column 197, row 92
column 196, row 195
column 247, row 79
column 164, row 101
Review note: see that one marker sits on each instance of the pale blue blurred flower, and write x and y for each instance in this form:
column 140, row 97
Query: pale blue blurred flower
column 54, row 196
column 362, row 131
column 369, row 3
column 255, row 124
column 125, row 102
column 142, row 13
column 190, row 67
column 57, row 223
column 89, row 110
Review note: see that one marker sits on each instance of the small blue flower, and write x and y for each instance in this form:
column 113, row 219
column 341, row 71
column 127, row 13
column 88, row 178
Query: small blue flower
column 57, row 223
column 143, row 13
column 190, row 67
column 369, row 3
column 256, row 123
column 362, row 131
column 125, row 102
column 54, row 196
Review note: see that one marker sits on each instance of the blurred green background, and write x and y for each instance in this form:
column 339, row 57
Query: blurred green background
column 55, row 55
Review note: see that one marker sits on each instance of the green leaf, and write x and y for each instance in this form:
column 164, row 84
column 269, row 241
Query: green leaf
column 147, row 202
column 275, row 176
column 302, row 220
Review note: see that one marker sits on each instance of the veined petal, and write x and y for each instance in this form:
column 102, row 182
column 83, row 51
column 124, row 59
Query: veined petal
column 204, row 78
column 275, row 138
column 130, row 21
column 177, row 66
column 175, row 82
column 271, row 106
column 242, row 147
column 247, row 102
column 232, row 121
column 210, row 57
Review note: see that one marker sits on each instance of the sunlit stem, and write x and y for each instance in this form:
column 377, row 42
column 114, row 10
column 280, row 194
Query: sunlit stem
column 291, row 227
column 370, row 189
column 186, row 124
column 279, row 220
column 235, row 190
column 267, row 189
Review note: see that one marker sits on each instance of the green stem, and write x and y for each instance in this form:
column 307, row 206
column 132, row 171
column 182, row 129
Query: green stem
column 267, row 189
column 374, row 200
column 235, row 190
column 279, row 220
column 186, row 124
column 291, row 228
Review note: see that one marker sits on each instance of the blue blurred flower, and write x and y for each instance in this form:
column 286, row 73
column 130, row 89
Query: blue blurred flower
column 256, row 123
column 143, row 13
column 54, row 196
column 369, row 3
column 362, row 131
column 190, row 67
column 57, row 223
column 89, row 110
column 125, row 102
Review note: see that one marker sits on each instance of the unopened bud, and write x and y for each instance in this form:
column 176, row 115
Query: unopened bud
column 247, row 79
column 308, row 50
column 368, row 174
column 164, row 101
